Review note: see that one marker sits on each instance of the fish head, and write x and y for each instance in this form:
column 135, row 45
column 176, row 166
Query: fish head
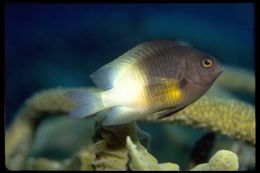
column 203, row 69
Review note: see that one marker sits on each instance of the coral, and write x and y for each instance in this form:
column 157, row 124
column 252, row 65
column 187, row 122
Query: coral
column 223, row 160
column 54, row 128
column 141, row 160
column 82, row 160
column 115, row 150
column 246, row 154
column 231, row 117
column 19, row 136
column 217, row 111
column 243, row 82
column 109, row 149
column 17, row 144
column 43, row 164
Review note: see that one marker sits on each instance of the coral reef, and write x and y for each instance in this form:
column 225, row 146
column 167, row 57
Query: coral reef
column 231, row 117
column 217, row 111
column 109, row 148
column 115, row 146
column 244, row 82
column 61, row 145
column 141, row 160
column 223, row 160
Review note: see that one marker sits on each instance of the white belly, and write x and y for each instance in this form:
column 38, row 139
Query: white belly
column 128, row 91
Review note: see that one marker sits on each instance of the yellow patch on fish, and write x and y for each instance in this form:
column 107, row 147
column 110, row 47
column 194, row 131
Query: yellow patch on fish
column 146, row 79
column 174, row 94
column 164, row 92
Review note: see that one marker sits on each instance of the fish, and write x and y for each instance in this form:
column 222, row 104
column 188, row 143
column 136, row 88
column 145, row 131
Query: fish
column 154, row 77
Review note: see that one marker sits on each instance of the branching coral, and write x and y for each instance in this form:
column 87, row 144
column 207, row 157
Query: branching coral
column 226, row 115
column 109, row 152
column 243, row 82
column 115, row 150
column 17, row 144
column 35, row 108
column 18, row 138
column 231, row 117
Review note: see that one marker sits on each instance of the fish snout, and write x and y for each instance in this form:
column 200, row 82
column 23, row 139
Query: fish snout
column 218, row 69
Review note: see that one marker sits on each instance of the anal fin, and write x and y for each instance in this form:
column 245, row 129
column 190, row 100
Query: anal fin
column 120, row 115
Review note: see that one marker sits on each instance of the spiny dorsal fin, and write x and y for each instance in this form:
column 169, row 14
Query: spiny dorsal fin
column 108, row 75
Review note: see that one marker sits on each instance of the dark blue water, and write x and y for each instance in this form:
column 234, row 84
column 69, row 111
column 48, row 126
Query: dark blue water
column 49, row 45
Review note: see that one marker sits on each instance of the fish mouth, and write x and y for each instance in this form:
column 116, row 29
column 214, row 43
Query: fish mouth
column 219, row 69
column 222, row 69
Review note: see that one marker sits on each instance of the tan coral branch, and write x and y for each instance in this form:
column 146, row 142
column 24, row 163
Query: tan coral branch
column 237, row 79
column 229, row 117
column 223, row 160
column 18, row 136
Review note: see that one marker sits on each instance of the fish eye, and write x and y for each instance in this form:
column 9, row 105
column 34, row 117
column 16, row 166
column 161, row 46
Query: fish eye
column 207, row 63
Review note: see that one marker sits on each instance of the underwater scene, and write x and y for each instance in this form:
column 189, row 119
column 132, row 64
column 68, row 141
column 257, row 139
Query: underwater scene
column 130, row 86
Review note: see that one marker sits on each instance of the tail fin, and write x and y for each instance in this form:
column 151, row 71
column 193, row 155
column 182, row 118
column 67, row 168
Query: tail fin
column 89, row 103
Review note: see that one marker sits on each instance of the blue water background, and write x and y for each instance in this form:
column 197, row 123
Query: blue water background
column 51, row 45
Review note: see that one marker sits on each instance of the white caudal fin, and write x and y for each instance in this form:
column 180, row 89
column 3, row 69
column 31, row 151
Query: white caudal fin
column 120, row 115
column 89, row 103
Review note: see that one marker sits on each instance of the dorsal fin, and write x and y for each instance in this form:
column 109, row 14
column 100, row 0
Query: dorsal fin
column 108, row 75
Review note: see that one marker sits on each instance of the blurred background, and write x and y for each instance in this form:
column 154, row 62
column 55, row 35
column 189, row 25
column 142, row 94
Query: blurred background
column 51, row 45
